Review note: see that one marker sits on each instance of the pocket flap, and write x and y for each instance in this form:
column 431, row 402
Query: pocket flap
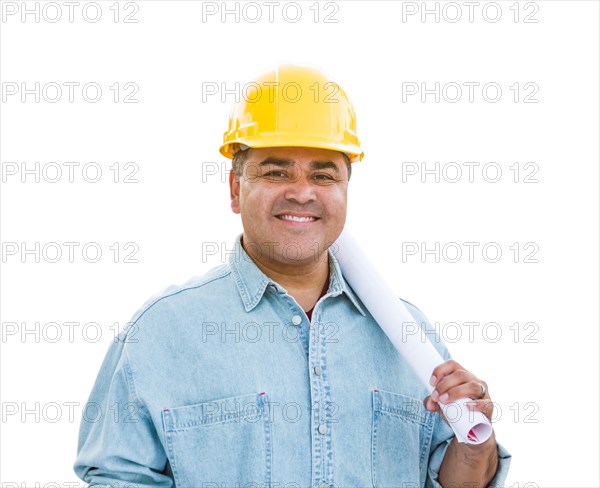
column 231, row 409
column 403, row 406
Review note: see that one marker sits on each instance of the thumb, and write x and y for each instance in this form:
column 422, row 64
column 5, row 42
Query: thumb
column 430, row 405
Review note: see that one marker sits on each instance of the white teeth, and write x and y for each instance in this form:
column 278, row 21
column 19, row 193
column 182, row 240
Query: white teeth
column 294, row 218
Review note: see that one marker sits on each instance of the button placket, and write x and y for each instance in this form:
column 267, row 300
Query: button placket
column 322, row 449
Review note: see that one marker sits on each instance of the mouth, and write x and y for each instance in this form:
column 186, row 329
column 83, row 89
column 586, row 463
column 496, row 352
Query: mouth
column 297, row 218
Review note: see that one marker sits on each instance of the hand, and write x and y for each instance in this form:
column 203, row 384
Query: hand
column 452, row 382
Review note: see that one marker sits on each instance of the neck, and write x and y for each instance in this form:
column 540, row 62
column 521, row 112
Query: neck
column 303, row 282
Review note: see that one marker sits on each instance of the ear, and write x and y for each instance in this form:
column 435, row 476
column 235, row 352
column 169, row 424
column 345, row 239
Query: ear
column 234, row 192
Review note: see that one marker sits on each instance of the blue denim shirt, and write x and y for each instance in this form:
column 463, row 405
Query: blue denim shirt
column 224, row 382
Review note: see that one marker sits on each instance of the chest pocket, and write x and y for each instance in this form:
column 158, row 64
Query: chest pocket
column 401, row 438
column 222, row 442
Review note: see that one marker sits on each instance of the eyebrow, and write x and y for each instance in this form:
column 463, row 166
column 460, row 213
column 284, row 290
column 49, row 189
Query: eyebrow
column 286, row 163
column 283, row 163
column 324, row 165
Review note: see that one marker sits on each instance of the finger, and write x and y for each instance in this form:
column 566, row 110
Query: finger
column 434, row 407
column 470, row 389
column 446, row 368
column 452, row 380
column 430, row 405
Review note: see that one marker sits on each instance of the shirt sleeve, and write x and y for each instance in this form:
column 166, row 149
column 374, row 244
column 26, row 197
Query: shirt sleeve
column 442, row 433
column 118, row 442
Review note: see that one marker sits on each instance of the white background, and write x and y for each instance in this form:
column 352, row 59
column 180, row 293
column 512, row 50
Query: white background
column 547, row 389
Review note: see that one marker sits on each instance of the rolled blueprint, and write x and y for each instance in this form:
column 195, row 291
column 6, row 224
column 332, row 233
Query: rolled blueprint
column 393, row 317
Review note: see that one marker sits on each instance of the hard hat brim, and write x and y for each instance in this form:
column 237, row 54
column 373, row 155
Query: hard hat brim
column 291, row 140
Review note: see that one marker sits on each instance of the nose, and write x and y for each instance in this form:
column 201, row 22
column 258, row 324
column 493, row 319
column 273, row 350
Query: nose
column 300, row 190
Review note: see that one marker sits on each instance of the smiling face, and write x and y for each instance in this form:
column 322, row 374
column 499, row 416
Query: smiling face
column 292, row 201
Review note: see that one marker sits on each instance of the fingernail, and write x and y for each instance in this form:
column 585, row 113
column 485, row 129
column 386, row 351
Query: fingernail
column 444, row 398
column 434, row 395
column 432, row 380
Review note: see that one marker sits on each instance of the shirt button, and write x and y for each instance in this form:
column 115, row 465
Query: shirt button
column 273, row 288
column 296, row 320
column 322, row 429
column 324, row 485
column 317, row 370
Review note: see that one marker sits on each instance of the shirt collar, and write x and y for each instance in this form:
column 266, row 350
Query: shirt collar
column 251, row 282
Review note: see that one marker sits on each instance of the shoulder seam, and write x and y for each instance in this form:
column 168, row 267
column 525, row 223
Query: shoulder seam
column 226, row 272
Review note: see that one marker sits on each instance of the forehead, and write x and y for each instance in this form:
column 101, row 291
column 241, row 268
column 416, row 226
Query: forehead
column 299, row 155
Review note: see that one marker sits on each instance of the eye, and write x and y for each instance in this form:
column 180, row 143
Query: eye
column 323, row 177
column 275, row 174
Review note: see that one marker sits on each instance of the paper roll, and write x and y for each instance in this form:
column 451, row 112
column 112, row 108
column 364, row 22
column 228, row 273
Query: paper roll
column 393, row 317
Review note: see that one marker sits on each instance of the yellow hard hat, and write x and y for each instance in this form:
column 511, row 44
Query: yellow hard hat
column 292, row 106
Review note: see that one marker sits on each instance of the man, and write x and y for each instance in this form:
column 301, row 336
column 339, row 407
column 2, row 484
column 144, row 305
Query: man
column 268, row 370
